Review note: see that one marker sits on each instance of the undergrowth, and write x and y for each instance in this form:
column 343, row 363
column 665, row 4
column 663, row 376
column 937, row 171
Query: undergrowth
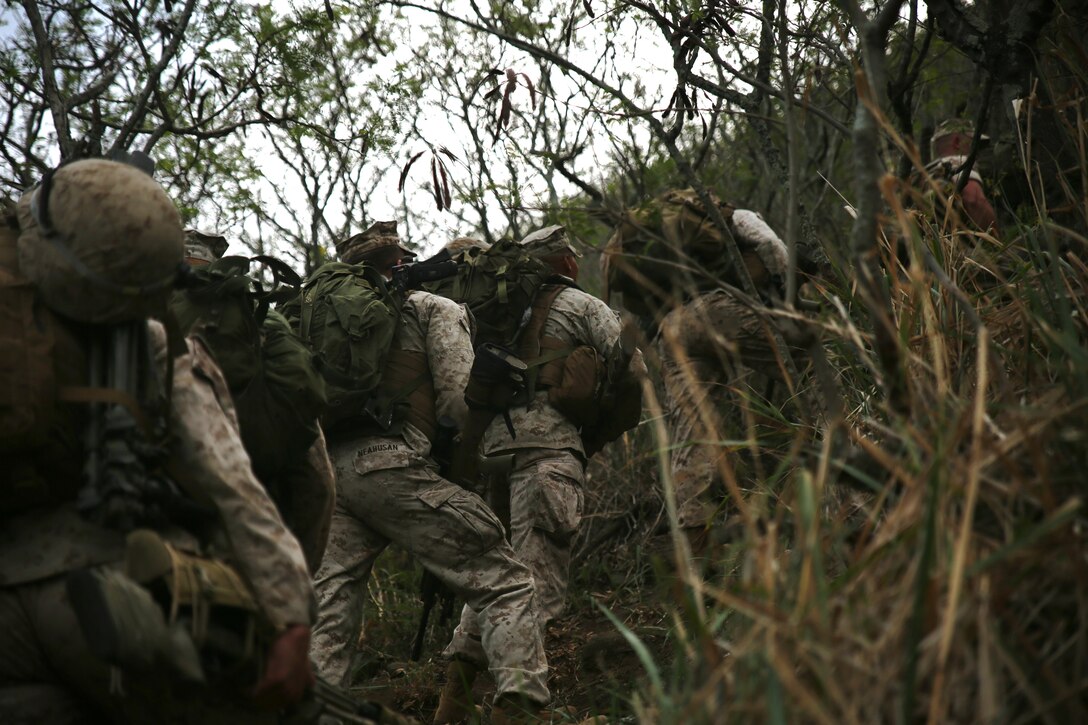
column 925, row 561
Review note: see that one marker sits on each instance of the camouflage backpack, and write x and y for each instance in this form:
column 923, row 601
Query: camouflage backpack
column 347, row 314
column 497, row 285
column 95, row 242
column 669, row 250
column 278, row 392
column 28, row 385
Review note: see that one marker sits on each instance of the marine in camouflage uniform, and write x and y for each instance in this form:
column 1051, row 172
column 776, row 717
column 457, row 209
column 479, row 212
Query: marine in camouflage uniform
column 547, row 479
column 950, row 147
column 389, row 491
column 711, row 346
column 47, row 671
column 309, row 481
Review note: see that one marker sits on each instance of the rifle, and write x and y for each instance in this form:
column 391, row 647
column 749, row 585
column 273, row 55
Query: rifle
column 416, row 274
column 619, row 359
column 620, row 394
column 431, row 588
column 496, row 471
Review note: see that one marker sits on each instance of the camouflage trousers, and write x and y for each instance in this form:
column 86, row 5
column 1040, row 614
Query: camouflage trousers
column 712, row 349
column 546, row 500
column 455, row 536
column 48, row 674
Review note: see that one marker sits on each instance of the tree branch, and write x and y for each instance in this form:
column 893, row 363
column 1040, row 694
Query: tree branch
column 49, row 81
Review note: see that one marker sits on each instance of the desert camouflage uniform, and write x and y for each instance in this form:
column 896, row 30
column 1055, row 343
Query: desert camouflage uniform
column 47, row 673
column 389, row 491
column 709, row 346
column 548, row 478
column 950, row 147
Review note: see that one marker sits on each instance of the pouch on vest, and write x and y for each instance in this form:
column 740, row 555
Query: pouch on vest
column 602, row 400
column 170, row 609
column 576, row 390
column 209, row 598
column 572, row 374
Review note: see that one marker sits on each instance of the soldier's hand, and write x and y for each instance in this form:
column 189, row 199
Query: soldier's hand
column 287, row 673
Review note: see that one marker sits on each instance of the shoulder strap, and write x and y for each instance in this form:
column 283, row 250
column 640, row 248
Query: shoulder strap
column 308, row 300
column 529, row 339
column 531, row 336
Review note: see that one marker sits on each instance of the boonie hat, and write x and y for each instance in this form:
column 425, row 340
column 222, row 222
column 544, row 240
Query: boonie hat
column 952, row 126
column 377, row 236
column 204, row 246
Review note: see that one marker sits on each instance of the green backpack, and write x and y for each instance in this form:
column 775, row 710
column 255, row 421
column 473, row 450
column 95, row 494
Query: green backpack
column 669, row 250
column 277, row 390
column 347, row 315
column 497, row 285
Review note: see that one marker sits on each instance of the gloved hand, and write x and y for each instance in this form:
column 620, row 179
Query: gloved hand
column 287, row 674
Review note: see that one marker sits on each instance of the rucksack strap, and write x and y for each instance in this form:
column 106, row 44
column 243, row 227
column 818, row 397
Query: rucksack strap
column 554, row 350
column 281, row 271
column 112, row 396
column 407, row 379
column 532, row 334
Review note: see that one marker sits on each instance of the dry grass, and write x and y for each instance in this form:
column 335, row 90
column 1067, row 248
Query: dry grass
column 927, row 564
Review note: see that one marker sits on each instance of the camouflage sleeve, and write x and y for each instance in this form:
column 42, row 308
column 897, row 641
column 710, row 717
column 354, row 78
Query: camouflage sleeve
column 448, row 342
column 209, row 454
column 601, row 326
column 750, row 226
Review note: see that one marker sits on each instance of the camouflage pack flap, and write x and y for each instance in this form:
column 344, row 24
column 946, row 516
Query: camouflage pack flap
column 666, row 251
column 39, row 355
column 498, row 285
column 27, row 385
column 348, row 316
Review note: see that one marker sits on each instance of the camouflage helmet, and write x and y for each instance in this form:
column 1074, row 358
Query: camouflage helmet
column 378, row 235
column 461, row 244
column 204, row 247
column 954, row 127
column 101, row 240
column 549, row 242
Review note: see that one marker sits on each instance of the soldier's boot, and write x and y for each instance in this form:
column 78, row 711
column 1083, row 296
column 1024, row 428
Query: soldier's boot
column 514, row 710
column 455, row 703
